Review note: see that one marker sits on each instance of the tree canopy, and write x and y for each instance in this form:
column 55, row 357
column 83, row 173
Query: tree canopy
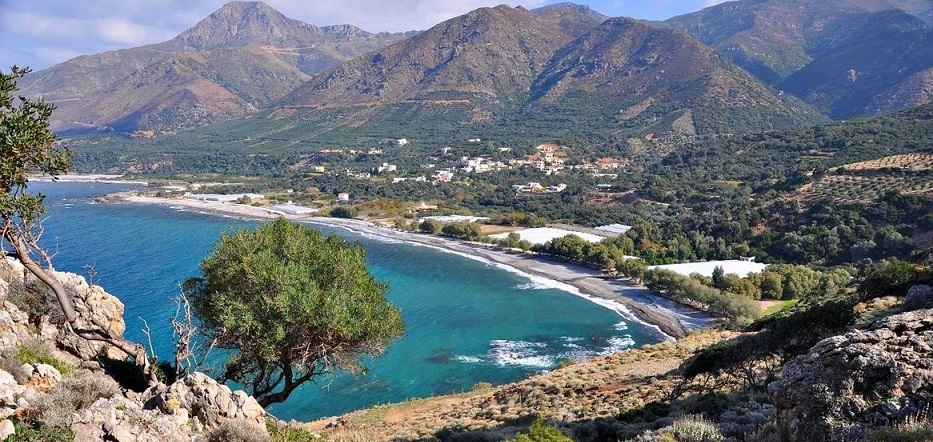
column 291, row 304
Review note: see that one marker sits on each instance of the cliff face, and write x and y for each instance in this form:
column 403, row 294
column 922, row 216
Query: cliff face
column 51, row 382
column 857, row 381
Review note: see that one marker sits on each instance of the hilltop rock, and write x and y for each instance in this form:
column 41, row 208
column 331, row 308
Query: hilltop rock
column 860, row 380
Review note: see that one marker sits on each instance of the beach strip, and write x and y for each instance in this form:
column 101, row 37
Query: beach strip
column 636, row 303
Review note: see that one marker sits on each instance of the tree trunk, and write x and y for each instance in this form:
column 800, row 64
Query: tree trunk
column 64, row 301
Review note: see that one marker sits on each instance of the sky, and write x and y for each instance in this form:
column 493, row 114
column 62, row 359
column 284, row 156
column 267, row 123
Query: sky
column 41, row 33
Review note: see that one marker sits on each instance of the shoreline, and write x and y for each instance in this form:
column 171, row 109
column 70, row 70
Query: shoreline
column 668, row 318
column 86, row 178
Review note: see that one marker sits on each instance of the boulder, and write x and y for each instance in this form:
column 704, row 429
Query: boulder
column 96, row 309
column 918, row 297
column 42, row 377
column 863, row 379
column 6, row 429
column 211, row 402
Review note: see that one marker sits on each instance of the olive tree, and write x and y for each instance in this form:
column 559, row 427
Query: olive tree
column 27, row 146
column 290, row 304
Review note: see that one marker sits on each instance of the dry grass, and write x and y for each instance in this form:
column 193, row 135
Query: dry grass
column 602, row 387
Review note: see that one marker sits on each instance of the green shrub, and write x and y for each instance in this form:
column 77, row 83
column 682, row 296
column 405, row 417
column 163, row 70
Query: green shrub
column 287, row 433
column 36, row 351
column 539, row 432
column 343, row 212
column 39, row 432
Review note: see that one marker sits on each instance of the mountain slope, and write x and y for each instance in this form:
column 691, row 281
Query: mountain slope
column 491, row 53
column 514, row 67
column 636, row 69
column 774, row 39
column 245, row 48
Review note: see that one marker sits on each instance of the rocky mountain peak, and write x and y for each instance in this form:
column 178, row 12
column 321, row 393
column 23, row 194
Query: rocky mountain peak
column 240, row 23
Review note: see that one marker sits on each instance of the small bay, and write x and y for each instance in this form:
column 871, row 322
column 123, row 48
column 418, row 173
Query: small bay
column 467, row 321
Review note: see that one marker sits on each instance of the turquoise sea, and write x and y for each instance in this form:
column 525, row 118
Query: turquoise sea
column 467, row 321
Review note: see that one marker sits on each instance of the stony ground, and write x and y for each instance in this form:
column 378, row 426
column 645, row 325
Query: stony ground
column 587, row 391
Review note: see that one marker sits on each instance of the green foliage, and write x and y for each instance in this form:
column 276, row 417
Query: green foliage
column 463, row 230
column 343, row 212
column 290, row 304
column 737, row 309
column 37, row 352
column 481, row 386
column 539, row 432
column 26, row 146
column 787, row 334
column 34, row 431
column 893, row 278
column 289, row 433
column 431, row 226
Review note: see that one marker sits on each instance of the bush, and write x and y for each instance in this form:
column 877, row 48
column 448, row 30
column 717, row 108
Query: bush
column 36, row 299
column 73, row 394
column 238, row 431
column 542, row 433
column 38, row 432
column 32, row 352
column 287, row 433
column 695, row 429
column 343, row 212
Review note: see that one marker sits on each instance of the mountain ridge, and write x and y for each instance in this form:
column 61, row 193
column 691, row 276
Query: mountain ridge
column 239, row 38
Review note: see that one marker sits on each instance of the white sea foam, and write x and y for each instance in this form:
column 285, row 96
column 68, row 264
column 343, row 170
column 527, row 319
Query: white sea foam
column 617, row 344
column 531, row 286
column 468, row 359
column 621, row 326
column 520, row 353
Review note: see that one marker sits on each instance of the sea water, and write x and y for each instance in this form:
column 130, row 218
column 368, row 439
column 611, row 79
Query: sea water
column 466, row 321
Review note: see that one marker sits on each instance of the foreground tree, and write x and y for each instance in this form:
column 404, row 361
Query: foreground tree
column 291, row 304
column 27, row 145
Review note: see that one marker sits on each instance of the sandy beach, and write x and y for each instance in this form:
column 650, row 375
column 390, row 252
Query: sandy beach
column 87, row 178
column 635, row 303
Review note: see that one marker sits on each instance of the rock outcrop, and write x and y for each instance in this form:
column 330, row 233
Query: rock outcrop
column 863, row 379
column 96, row 309
column 188, row 410
column 203, row 398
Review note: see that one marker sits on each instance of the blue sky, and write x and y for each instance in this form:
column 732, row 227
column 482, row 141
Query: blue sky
column 40, row 33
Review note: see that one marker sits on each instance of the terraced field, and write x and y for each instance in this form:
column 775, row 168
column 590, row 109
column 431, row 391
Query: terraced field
column 868, row 180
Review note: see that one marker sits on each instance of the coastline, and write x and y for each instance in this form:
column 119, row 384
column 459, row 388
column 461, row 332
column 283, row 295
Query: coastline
column 87, row 178
column 670, row 319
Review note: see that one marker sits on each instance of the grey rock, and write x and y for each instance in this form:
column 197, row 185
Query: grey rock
column 918, row 297
column 847, row 384
column 204, row 398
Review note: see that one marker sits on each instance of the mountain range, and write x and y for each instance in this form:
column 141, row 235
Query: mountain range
column 846, row 57
column 739, row 66
column 239, row 59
